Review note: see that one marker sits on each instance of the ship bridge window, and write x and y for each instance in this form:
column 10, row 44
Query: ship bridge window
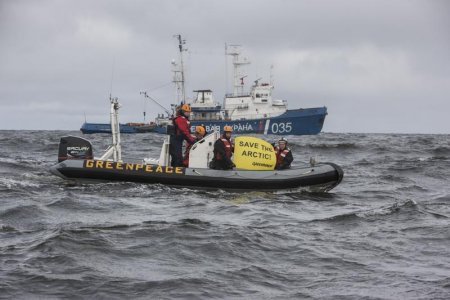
column 263, row 100
column 258, row 96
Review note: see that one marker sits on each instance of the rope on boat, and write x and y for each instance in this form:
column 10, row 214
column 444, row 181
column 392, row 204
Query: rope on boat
column 237, row 174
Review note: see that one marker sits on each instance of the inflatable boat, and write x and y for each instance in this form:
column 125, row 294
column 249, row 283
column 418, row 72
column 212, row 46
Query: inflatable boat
column 76, row 162
column 321, row 177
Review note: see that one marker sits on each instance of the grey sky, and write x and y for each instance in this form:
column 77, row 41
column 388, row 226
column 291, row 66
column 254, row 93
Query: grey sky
column 379, row 66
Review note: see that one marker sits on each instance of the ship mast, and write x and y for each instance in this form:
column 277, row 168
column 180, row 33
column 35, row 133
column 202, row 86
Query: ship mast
column 238, row 77
column 178, row 72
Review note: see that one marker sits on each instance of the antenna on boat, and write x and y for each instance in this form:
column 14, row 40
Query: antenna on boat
column 235, row 51
column 115, row 149
column 112, row 77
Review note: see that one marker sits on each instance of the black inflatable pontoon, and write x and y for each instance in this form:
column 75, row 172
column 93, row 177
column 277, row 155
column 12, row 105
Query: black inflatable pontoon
column 321, row 177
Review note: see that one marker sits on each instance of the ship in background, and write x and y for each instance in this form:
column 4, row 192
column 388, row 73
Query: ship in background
column 252, row 112
column 88, row 128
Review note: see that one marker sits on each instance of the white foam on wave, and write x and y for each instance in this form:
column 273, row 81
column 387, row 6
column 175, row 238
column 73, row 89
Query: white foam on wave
column 11, row 183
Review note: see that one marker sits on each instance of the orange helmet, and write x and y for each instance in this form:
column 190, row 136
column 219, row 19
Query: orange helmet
column 186, row 108
column 200, row 130
column 228, row 129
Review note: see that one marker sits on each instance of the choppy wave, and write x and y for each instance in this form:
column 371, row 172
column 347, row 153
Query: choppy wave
column 387, row 223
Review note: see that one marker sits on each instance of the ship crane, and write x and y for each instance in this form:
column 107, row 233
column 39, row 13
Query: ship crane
column 160, row 105
column 257, row 80
column 242, row 79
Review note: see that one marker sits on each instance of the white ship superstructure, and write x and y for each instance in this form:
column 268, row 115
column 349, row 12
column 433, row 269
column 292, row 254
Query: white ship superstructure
column 238, row 105
column 257, row 104
column 205, row 108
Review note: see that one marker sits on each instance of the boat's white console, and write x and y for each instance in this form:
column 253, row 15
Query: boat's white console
column 201, row 152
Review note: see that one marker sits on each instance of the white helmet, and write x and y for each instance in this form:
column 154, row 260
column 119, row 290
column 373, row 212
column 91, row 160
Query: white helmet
column 283, row 140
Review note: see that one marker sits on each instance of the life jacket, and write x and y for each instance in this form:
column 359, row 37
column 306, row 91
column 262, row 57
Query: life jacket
column 178, row 133
column 228, row 149
column 281, row 155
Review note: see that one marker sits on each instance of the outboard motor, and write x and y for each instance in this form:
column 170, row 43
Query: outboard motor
column 72, row 147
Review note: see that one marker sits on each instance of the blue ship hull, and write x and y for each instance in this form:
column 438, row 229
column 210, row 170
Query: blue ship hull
column 89, row 128
column 308, row 121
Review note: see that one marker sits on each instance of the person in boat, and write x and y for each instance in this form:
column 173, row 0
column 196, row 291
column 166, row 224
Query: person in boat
column 200, row 133
column 284, row 155
column 180, row 133
column 223, row 150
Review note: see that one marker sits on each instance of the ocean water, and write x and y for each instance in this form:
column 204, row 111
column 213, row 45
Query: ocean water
column 383, row 233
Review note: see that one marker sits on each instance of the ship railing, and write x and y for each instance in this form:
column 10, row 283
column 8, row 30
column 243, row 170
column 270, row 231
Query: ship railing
column 279, row 103
column 205, row 108
column 254, row 116
column 200, row 118
column 237, row 106
column 230, row 95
